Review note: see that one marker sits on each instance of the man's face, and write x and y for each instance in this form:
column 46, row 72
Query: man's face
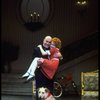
column 47, row 42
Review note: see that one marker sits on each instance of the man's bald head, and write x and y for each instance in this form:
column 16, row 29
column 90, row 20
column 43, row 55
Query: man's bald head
column 48, row 37
column 47, row 41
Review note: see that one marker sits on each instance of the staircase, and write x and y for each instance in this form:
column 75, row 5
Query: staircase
column 12, row 84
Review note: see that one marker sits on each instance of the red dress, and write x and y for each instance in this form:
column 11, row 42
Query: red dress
column 49, row 67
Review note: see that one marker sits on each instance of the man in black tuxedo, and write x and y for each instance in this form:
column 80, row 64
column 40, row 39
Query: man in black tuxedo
column 40, row 78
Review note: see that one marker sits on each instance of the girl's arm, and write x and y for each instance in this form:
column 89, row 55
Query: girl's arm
column 44, row 52
column 58, row 55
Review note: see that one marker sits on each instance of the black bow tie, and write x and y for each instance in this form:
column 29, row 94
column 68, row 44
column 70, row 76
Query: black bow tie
column 45, row 48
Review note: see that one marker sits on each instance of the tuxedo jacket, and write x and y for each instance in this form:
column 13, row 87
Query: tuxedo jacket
column 37, row 52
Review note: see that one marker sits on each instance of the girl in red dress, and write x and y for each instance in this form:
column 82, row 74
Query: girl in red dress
column 48, row 66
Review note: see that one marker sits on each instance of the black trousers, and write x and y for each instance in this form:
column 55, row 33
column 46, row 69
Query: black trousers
column 42, row 81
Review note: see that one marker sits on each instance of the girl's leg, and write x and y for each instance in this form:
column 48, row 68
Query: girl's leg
column 33, row 67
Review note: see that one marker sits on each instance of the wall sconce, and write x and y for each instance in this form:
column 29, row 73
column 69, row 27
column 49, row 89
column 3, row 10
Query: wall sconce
column 34, row 23
column 81, row 6
column 34, row 17
column 81, row 2
column 34, row 14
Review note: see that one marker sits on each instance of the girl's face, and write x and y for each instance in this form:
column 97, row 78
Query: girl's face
column 52, row 45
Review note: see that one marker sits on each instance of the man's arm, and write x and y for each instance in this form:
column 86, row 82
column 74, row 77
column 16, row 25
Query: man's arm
column 36, row 52
column 47, row 52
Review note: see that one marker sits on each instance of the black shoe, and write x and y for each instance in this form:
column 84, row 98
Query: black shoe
column 26, row 81
column 31, row 79
column 23, row 77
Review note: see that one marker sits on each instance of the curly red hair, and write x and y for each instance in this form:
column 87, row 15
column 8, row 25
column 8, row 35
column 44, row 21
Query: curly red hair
column 57, row 42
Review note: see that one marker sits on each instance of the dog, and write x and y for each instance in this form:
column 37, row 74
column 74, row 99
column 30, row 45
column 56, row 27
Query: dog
column 44, row 94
